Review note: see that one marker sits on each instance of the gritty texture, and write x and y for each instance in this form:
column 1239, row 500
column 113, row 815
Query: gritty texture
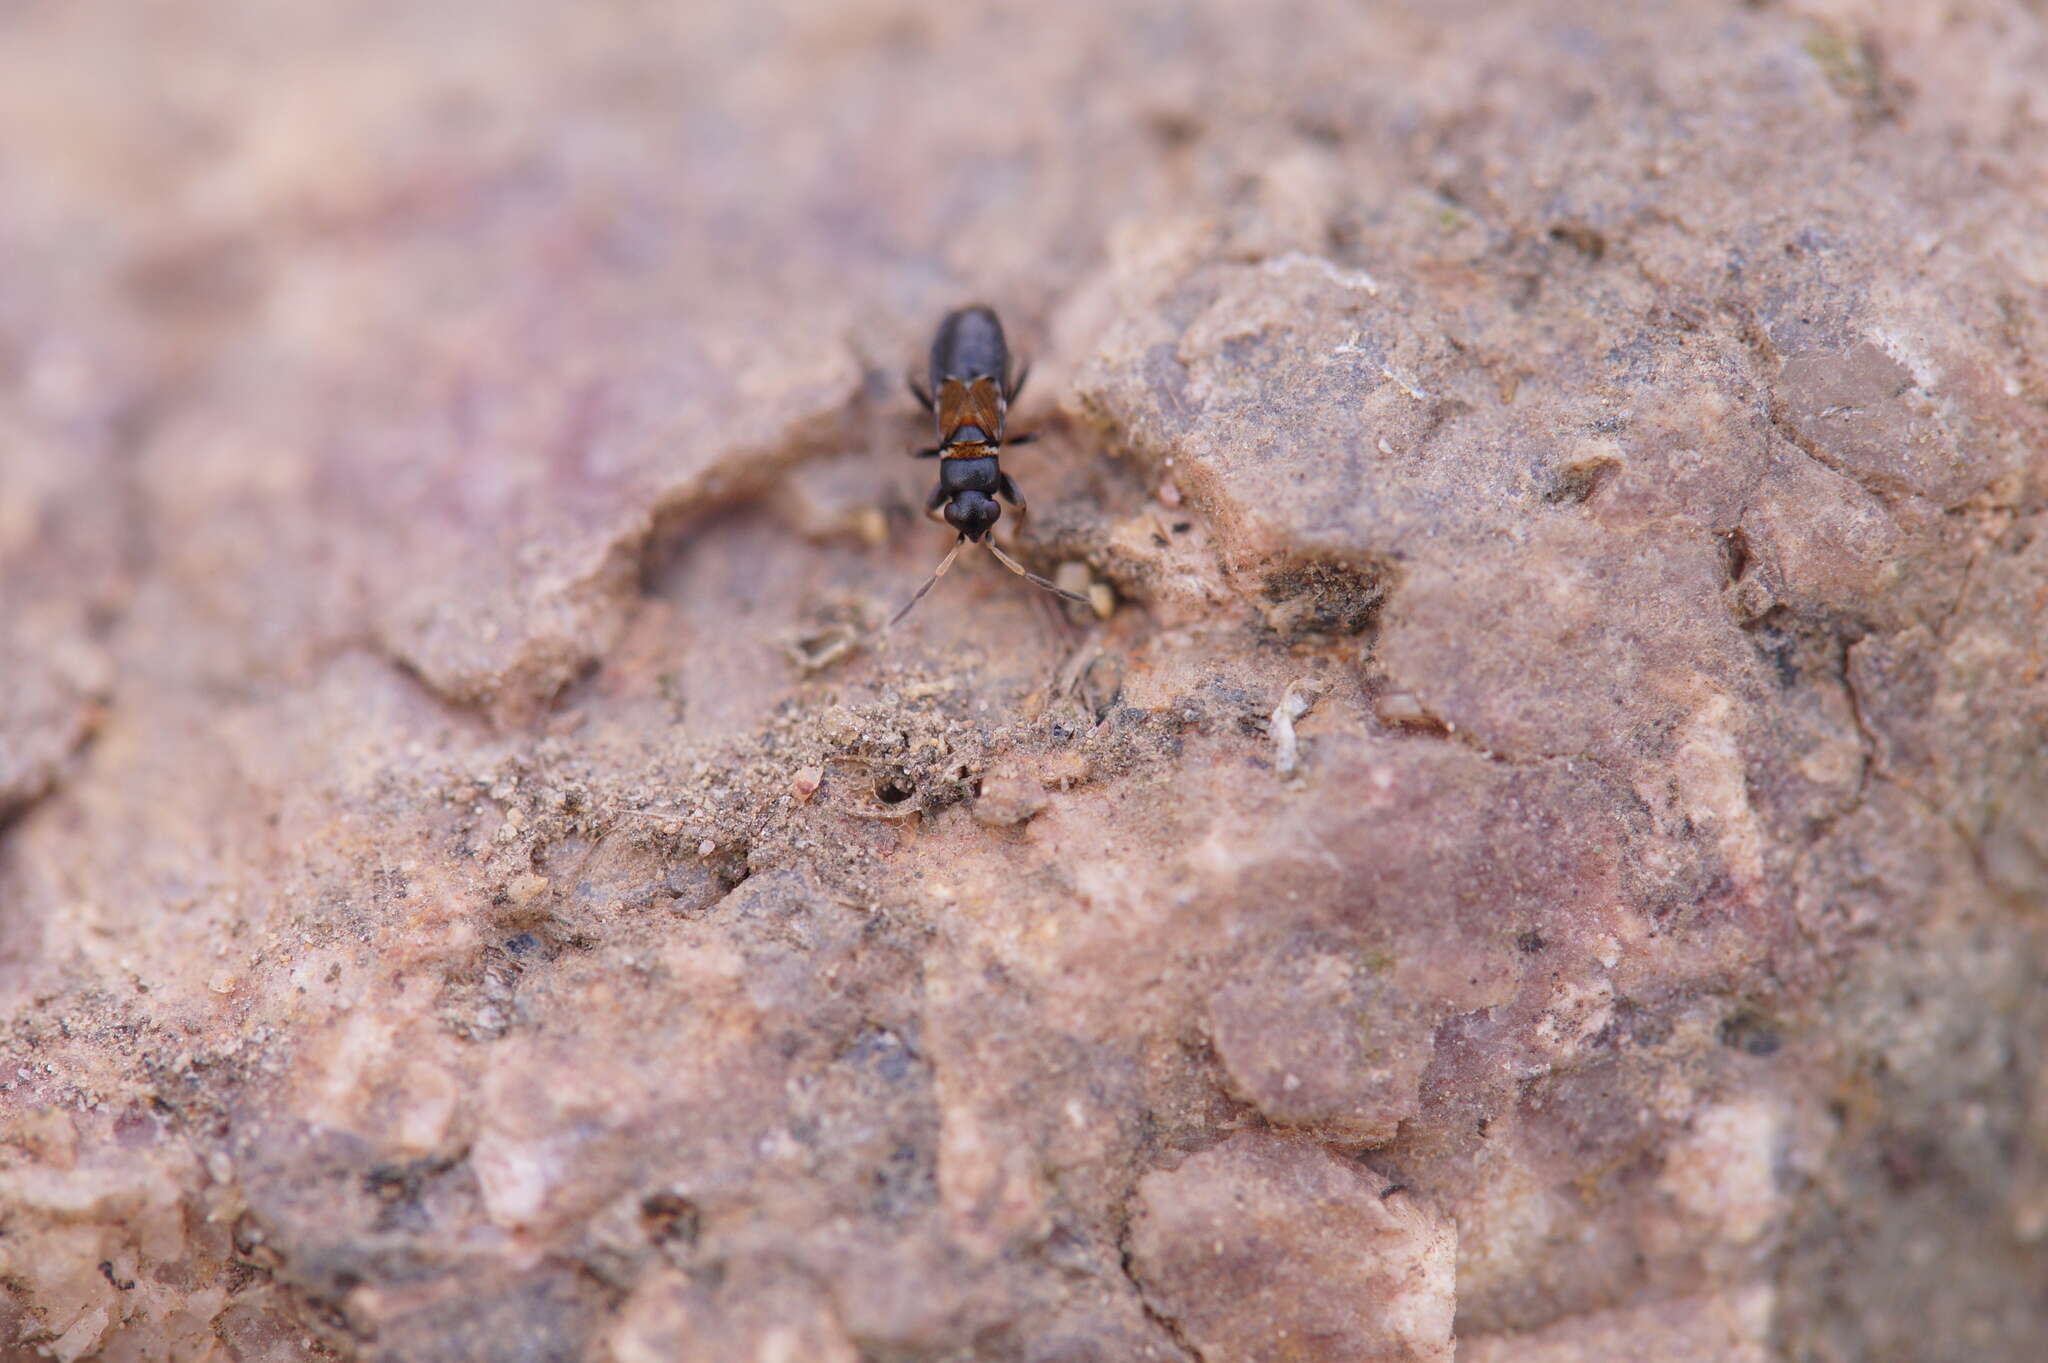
column 1269, row 1248
column 1538, row 851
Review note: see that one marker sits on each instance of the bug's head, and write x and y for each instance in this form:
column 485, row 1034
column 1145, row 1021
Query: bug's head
column 973, row 514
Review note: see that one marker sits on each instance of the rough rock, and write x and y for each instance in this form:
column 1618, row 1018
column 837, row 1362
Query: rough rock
column 1268, row 1248
column 471, row 888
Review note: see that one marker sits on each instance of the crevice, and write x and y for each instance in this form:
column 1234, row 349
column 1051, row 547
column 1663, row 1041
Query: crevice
column 1795, row 436
column 1166, row 1324
column 1736, row 552
column 1402, row 712
column 1583, row 238
column 732, row 480
column 1327, row 597
column 408, row 671
column 1872, row 771
column 623, row 569
column 1576, row 483
column 15, row 806
column 1865, row 735
column 1750, row 330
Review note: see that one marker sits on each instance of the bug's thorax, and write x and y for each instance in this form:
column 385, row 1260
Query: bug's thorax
column 964, row 473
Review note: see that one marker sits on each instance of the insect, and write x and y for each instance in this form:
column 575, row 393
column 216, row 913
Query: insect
column 970, row 394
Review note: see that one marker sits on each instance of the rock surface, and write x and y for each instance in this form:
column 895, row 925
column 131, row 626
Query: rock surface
column 1568, row 492
column 1269, row 1248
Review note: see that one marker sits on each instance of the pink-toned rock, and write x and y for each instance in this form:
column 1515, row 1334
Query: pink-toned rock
column 1730, row 1327
column 1324, row 1040
column 753, row 1317
column 474, row 886
column 1266, row 1249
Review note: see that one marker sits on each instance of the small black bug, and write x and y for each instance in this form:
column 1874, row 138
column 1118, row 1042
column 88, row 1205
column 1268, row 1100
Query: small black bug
column 969, row 397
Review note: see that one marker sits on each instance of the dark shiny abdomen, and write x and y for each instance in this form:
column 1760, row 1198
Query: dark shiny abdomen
column 970, row 344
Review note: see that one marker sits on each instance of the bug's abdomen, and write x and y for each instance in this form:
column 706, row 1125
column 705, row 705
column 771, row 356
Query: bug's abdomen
column 970, row 344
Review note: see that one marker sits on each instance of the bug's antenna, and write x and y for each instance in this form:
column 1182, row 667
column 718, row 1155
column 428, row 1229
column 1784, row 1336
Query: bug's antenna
column 929, row 583
column 1025, row 573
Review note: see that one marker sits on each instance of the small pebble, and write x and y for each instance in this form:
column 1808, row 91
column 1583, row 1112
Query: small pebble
column 1065, row 770
column 1007, row 800
column 1169, row 493
column 872, row 526
column 806, row 782
column 1297, row 700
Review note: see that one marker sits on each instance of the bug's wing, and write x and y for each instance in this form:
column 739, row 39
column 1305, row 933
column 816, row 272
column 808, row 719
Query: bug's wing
column 978, row 403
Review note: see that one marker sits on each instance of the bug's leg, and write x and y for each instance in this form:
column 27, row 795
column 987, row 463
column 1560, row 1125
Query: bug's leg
column 1016, row 385
column 935, row 505
column 917, row 391
column 1024, row 439
column 928, row 452
column 1008, row 491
